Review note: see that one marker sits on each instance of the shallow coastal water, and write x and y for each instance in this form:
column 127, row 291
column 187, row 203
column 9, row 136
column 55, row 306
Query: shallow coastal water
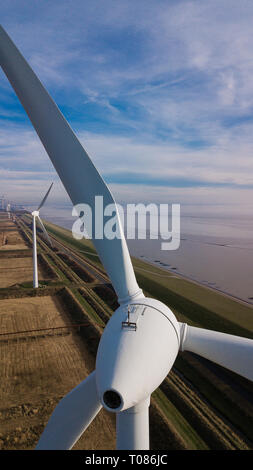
column 216, row 251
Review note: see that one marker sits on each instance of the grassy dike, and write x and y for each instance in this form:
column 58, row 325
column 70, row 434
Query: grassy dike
column 196, row 305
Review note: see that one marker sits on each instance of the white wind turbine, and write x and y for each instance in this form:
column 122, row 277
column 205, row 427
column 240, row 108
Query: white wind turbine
column 36, row 214
column 8, row 208
column 142, row 339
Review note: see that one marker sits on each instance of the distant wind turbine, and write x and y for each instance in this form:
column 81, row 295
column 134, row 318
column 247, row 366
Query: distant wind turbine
column 8, row 208
column 36, row 214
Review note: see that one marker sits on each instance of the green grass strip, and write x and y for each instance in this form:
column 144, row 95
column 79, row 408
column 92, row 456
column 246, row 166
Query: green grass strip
column 192, row 440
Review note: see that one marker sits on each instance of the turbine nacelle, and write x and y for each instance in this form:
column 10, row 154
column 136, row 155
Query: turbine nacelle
column 35, row 213
column 137, row 350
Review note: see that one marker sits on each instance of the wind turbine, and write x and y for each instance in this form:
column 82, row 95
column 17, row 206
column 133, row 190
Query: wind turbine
column 143, row 337
column 2, row 202
column 8, row 208
column 36, row 214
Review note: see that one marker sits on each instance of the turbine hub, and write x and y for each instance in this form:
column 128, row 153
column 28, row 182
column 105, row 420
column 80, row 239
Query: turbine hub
column 35, row 213
column 137, row 350
column 112, row 399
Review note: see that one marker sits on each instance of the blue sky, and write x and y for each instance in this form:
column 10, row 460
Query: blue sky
column 160, row 93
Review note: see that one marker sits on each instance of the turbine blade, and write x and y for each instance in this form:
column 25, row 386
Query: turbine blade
column 71, row 417
column 233, row 352
column 44, row 230
column 74, row 167
column 45, row 197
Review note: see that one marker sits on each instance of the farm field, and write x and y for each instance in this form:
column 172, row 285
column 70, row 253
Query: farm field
column 39, row 367
column 17, row 271
column 6, row 222
column 11, row 239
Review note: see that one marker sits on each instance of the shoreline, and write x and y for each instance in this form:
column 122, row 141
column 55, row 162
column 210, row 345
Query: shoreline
column 183, row 276
column 188, row 278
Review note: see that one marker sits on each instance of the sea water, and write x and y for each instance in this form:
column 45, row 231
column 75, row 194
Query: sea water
column 215, row 250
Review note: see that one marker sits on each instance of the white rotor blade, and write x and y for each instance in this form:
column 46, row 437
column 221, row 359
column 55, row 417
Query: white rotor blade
column 45, row 197
column 233, row 352
column 71, row 417
column 44, row 230
column 74, row 167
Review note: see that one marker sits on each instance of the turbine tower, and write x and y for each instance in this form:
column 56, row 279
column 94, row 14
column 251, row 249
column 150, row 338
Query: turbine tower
column 8, row 208
column 143, row 337
column 2, row 202
column 36, row 214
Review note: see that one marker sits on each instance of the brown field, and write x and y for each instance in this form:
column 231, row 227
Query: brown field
column 7, row 225
column 18, row 270
column 11, row 240
column 38, row 368
column 7, row 222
